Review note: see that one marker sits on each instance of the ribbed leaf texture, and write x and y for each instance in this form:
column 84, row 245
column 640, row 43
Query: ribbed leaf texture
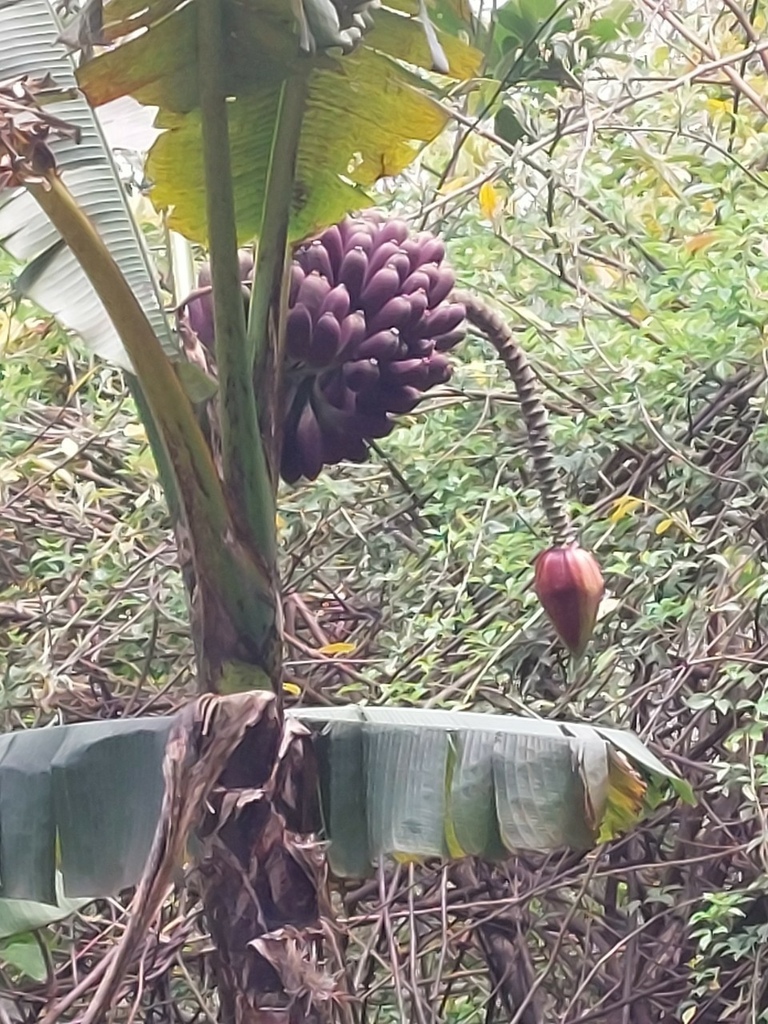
column 401, row 783
column 366, row 111
column 52, row 278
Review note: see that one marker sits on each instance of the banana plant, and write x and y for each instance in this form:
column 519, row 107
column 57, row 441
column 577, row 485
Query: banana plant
column 276, row 119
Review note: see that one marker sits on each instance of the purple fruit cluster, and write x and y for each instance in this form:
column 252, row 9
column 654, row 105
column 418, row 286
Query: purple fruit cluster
column 198, row 307
column 368, row 326
column 367, row 330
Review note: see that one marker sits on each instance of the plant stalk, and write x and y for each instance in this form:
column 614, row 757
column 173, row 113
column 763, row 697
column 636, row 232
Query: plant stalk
column 491, row 324
column 278, row 197
column 247, row 477
column 237, row 585
column 194, row 469
column 269, row 294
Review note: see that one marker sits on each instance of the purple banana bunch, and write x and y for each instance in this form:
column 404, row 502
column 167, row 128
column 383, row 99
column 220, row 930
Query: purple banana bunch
column 368, row 327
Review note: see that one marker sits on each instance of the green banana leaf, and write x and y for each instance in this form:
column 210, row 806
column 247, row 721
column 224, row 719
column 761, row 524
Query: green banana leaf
column 18, row 917
column 19, row 947
column 364, row 116
column 87, row 796
column 414, row 783
column 84, row 799
column 52, row 278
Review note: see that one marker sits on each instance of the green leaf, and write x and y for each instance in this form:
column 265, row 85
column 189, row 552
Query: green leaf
column 94, row 791
column 440, row 783
column 469, row 828
column 20, row 916
column 365, row 112
column 529, row 20
column 27, row 819
column 406, row 799
column 52, row 278
column 341, row 760
column 198, row 386
column 89, row 772
column 25, row 955
column 394, row 782
column 508, row 127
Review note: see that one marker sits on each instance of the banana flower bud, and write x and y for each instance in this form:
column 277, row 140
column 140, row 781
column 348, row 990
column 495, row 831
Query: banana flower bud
column 569, row 585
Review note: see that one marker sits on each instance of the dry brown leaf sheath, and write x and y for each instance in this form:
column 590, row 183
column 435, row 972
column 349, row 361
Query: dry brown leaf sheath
column 201, row 742
column 25, row 129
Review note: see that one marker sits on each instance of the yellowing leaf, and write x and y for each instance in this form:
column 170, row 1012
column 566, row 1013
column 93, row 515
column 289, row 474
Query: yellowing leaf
column 452, row 840
column 638, row 310
column 10, row 329
column 406, row 858
column 626, row 792
column 664, row 525
column 292, row 688
column 337, row 648
column 624, row 506
column 660, row 56
column 135, row 430
column 701, row 241
column 454, row 184
column 488, row 200
column 365, row 117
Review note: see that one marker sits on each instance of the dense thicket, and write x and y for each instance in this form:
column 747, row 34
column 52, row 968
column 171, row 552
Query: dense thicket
column 611, row 199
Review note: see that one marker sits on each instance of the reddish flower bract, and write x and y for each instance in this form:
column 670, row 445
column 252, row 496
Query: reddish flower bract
column 570, row 586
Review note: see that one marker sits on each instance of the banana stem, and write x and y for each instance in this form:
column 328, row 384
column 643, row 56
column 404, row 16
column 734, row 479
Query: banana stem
column 278, row 196
column 246, row 473
column 491, row 324
column 269, row 293
column 238, row 584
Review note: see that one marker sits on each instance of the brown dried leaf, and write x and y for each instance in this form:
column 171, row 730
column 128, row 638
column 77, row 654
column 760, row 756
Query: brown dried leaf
column 25, row 156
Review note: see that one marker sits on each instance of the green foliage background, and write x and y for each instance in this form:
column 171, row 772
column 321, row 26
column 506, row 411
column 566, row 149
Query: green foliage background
column 624, row 237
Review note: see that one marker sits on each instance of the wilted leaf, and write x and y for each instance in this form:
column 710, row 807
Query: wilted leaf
column 337, row 648
column 697, row 243
column 626, row 790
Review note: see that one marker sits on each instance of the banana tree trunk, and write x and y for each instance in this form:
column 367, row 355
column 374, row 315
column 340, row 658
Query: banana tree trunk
column 262, row 877
column 259, row 867
column 261, row 871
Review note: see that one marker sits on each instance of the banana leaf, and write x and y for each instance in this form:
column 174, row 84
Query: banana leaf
column 364, row 115
column 52, row 278
column 18, row 917
column 84, row 799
